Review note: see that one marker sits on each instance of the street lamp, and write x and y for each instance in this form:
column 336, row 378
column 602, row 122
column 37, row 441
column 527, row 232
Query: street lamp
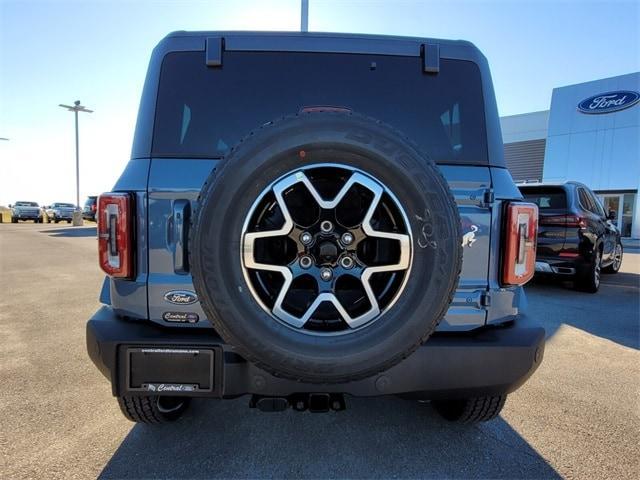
column 304, row 15
column 75, row 109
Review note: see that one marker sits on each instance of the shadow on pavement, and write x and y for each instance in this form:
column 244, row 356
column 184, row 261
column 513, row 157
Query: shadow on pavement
column 611, row 313
column 373, row 438
column 71, row 232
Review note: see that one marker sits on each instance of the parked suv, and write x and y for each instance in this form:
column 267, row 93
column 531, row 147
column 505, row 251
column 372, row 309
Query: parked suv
column 25, row 211
column 57, row 212
column 89, row 209
column 309, row 216
column 576, row 238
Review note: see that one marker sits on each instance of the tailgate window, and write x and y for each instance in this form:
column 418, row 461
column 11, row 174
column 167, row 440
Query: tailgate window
column 203, row 111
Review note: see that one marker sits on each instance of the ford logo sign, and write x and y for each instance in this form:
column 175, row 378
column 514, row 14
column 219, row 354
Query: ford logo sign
column 181, row 297
column 609, row 102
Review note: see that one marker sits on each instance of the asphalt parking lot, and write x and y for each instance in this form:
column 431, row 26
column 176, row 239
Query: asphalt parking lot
column 578, row 417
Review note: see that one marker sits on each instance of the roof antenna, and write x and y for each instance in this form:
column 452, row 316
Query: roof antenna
column 304, row 16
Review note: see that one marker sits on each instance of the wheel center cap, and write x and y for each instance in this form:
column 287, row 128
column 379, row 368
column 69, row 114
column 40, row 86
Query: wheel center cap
column 328, row 252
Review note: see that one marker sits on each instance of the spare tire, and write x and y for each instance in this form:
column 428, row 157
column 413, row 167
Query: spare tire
column 279, row 216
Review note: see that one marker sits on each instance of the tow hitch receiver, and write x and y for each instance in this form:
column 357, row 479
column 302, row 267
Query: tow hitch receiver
column 314, row 402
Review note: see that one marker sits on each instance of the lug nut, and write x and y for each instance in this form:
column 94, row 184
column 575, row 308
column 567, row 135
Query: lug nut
column 326, row 274
column 346, row 262
column 347, row 238
column 306, row 238
column 326, row 226
column 306, row 261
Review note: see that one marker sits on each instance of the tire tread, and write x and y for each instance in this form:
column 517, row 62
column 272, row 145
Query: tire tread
column 471, row 410
column 142, row 409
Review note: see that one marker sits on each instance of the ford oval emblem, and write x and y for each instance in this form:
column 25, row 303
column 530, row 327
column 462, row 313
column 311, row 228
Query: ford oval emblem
column 609, row 102
column 181, row 297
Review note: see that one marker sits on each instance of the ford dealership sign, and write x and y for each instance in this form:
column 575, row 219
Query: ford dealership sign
column 609, row 102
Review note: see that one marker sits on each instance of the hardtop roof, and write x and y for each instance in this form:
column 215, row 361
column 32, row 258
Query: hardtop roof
column 328, row 35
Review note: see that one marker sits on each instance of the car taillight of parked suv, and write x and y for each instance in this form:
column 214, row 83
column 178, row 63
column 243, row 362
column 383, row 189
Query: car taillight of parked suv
column 310, row 216
column 577, row 240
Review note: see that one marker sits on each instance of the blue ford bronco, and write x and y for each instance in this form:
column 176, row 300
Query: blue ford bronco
column 307, row 217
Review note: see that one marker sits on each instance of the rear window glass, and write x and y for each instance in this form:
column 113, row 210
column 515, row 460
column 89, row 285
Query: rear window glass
column 547, row 198
column 203, row 111
column 26, row 204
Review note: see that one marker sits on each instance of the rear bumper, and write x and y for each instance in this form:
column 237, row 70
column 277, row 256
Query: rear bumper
column 489, row 362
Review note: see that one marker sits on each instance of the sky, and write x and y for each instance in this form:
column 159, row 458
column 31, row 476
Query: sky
column 54, row 52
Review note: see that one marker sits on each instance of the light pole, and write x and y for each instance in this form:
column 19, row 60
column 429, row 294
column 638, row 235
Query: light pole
column 75, row 109
column 304, row 16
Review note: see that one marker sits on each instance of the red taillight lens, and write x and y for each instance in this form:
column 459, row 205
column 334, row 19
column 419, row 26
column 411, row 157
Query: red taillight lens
column 562, row 221
column 553, row 220
column 573, row 221
column 114, row 234
column 519, row 259
column 94, row 207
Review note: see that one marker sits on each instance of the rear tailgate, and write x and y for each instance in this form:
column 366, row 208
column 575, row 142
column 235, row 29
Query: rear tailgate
column 174, row 186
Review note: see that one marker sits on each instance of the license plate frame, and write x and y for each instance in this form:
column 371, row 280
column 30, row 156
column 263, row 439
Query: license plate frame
column 160, row 370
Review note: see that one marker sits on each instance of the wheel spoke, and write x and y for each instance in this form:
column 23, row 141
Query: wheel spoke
column 248, row 249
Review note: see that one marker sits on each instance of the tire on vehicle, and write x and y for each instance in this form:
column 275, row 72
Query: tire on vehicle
column 328, row 149
column 588, row 280
column 153, row 409
column 614, row 266
column 470, row 410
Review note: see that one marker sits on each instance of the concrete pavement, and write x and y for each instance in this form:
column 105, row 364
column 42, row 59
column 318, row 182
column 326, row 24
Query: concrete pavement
column 578, row 417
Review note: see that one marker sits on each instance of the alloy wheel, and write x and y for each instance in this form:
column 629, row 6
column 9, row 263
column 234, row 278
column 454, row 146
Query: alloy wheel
column 326, row 249
column 617, row 258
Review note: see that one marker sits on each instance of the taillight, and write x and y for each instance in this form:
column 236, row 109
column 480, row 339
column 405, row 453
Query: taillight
column 114, row 234
column 574, row 221
column 553, row 220
column 518, row 263
column 562, row 221
column 94, row 207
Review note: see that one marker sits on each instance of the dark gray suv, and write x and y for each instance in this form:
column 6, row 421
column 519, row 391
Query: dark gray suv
column 309, row 216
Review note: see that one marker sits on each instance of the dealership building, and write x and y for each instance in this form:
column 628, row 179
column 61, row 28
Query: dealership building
column 590, row 134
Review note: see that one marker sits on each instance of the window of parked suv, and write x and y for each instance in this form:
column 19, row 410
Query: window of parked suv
column 589, row 202
column 547, row 198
